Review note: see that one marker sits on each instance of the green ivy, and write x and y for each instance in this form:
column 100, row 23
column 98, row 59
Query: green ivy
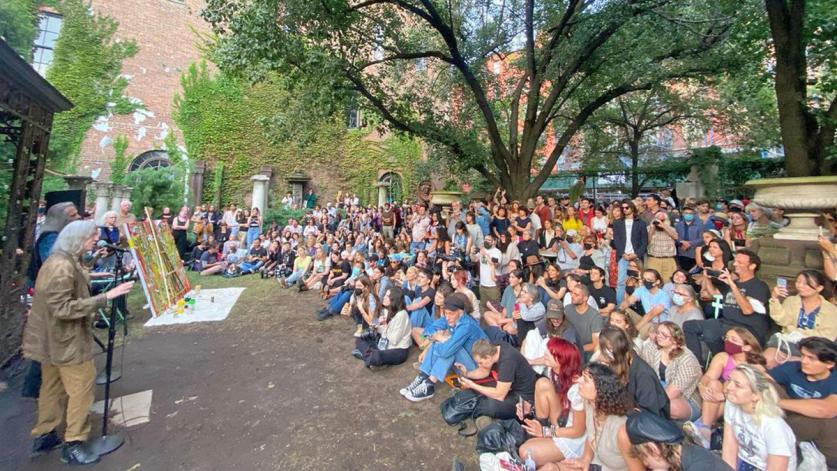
column 19, row 25
column 228, row 122
column 86, row 68
column 119, row 165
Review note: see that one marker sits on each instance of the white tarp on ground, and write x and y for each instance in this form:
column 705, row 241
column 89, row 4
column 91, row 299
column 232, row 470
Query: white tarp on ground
column 210, row 305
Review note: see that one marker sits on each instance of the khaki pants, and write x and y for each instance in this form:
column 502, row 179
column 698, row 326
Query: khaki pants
column 66, row 390
column 635, row 317
column 665, row 265
column 489, row 294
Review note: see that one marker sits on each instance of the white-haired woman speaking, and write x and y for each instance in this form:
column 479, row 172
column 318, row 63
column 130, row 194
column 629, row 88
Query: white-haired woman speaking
column 58, row 334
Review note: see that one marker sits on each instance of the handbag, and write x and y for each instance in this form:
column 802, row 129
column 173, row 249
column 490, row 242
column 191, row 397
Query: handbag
column 460, row 406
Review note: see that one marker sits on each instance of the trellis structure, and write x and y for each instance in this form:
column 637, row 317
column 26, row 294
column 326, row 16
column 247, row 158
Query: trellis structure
column 27, row 104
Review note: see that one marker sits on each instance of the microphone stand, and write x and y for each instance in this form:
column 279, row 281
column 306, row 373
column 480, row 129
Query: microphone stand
column 110, row 442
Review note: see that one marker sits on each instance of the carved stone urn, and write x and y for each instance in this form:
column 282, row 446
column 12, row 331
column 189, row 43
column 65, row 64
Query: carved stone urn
column 794, row 247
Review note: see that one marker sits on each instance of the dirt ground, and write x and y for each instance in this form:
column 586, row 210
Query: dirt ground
column 268, row 388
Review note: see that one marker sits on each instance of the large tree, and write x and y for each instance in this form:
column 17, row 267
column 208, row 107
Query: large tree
column 429, row 67
column 806, row 55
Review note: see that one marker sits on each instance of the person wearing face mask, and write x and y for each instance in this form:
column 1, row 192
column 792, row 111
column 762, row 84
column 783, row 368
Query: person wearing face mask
column 684, row 305
column 689, row 229
column 740, row 347
column 654, row 300
column 590, row 257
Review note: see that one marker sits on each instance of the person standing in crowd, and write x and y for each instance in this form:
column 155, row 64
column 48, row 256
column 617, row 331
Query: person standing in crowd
column 166, row 217
column 179, row 226
column 630, row 241
column 744, row 305
column 689, row 236
column 59, row 335
column 755, row 434
column 420, row 227
column 809, row 395
column 388, row 222
column 662, row 246
column 254, row 225
column 125, row 215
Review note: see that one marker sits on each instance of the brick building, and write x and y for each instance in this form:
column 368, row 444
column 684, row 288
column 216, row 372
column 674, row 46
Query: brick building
column 167, row 36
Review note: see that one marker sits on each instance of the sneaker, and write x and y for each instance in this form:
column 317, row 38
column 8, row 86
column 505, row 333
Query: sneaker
column 282, row 282
column 424, row 390
column 696, row 433
column 358, row 331
column 356, row 353
column 323, row 314
column 76, row 453
column 483, row 421
column 416, row 381
column 45, row 443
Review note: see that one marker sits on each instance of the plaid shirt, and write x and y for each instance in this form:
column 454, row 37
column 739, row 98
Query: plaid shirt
column 660, row 244
column 683, row 372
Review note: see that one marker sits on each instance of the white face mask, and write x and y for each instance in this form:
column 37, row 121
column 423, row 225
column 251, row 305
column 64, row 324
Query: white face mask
column 709, row 257
column 678, row 299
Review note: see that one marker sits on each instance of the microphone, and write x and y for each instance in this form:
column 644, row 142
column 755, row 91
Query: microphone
column 103, row 244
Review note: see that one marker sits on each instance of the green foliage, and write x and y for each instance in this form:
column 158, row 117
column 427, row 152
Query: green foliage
column 156, row 188
column 217, row 183
column 119, row 165
column 19, row 25
column 225, row 120
column 281, row 215
column 86, row 69
column 577, row 56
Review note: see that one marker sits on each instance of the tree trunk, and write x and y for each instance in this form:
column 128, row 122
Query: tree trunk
column 634, row 145
column 518, row 183
column 798, row 128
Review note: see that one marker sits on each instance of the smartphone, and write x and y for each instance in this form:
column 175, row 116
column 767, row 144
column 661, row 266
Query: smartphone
column 782, row 283
column 713, row 273
column 457, row 383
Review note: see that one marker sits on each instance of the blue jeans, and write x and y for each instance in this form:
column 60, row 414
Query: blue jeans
column 252, row 233
column 622, row 275
column 420, row 318
column 416, row 246
column 294, row 277
column 249, row 267
column 438, row 366
column 337, row 302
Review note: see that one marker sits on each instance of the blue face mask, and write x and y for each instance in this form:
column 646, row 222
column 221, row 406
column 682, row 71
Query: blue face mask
column 688, row 217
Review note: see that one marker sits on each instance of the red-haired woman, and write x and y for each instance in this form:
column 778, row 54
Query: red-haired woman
column 559, row 405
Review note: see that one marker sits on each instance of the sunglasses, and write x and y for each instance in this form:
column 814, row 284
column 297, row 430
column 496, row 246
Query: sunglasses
column 626, row 207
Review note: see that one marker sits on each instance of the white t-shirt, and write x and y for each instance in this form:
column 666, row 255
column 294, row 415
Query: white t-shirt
column 629, row 228
column 754, row 441
column 485, row 267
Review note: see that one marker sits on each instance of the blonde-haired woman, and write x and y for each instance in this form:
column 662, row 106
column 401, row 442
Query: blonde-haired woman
column 756, row 435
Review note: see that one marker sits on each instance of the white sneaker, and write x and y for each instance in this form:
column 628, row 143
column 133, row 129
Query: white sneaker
column 358, row 331
column 696, row 434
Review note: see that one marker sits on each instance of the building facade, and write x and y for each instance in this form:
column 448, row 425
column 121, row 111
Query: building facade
column 167, row 33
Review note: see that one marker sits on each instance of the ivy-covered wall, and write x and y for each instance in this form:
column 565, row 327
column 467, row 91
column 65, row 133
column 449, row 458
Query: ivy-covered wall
column 227, row 121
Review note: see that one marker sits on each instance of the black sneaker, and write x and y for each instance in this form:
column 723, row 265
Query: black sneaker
column 424, row 390
column 356, row 353
column 76, row 453
column 323, row 314
column 416, row 381
column 45, row 443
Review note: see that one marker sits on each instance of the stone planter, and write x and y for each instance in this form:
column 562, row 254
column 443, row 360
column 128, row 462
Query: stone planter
column 802, row 198
column 794, row 247
column 444, row 198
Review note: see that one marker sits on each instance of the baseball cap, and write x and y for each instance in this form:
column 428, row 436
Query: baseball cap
column 555, row 309
column 645, row 426
column 737, row 203
column 455, row 302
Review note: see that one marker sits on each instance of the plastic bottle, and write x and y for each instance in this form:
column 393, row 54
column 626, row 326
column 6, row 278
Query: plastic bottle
column 529, row 464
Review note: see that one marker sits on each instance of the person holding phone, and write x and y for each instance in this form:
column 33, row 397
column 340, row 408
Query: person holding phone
column 808, row 313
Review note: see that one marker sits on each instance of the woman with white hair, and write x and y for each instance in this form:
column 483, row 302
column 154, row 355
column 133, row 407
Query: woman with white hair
column 59, row 335
column 761, row 224
column 756, row 435
column 109, row 232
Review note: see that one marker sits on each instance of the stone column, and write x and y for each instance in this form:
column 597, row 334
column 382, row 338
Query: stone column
column 116, row 197
column 382, row 195
column 260, row 192
column 78, row 182
column 196, row 181
column 103, row 195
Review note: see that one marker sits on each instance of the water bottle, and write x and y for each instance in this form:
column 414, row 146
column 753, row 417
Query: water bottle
column 529, row 464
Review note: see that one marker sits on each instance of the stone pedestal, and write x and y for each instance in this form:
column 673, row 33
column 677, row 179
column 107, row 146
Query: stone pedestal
column 786, row 258
column 260, row 192
column 116, row 193
column 103, row 198
column 692, row 187
column 78, row 182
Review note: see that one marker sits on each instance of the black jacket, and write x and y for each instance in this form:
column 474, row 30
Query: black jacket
column 639, row 238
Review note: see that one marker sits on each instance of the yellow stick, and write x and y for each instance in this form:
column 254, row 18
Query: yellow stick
column 159, row 255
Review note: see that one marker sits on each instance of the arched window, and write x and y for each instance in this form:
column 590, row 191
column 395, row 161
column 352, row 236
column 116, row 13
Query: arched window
column 392, row 184
column 152, row 159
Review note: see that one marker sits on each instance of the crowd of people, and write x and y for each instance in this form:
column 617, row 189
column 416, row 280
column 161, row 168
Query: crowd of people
column 632, row 334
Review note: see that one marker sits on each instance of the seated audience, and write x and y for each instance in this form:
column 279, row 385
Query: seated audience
column 677, row 369
column 515, row 379
column 392, row 347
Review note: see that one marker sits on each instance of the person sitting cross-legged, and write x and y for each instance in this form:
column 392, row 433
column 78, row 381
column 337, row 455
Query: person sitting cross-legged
column 558, row 430
column 452, row 337
column 393, row 346
column 515, row 379
column 255, row 258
